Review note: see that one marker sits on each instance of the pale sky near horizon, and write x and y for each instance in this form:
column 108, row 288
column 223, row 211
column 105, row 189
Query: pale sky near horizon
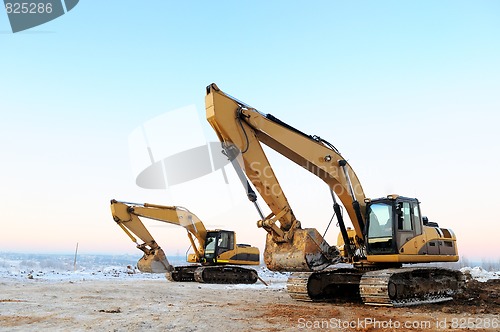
column 407, row 91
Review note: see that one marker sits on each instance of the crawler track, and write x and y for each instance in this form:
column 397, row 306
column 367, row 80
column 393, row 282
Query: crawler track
column 386, row 287
column 213, row 274
column 410, row 286
column 182, row 273
column 331, row 285
column 225, row 275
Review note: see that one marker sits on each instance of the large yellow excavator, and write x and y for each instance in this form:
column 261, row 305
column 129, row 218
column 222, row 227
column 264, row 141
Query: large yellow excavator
column 216, row 252
column 387, row 232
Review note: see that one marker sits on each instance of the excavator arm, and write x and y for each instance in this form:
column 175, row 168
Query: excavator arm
column 242, row 129
column 126, row 215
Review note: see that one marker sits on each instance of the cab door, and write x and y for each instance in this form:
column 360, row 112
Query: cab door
column 408, row 224
column 225, row 242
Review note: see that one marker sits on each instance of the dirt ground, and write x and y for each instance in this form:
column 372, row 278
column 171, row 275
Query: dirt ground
column 159, row 305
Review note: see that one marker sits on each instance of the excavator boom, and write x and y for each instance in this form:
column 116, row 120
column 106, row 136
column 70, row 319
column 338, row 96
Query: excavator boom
column 241, row 130
column 126, row 215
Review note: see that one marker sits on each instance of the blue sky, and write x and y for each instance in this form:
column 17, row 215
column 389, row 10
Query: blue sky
column 406, row 90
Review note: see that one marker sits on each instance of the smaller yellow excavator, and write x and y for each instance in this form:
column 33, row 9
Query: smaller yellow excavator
column 215, row 256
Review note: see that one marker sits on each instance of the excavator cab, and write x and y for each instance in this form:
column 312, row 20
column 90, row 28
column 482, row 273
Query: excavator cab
column 221, row 249
column 391, row 223
column 217, row 242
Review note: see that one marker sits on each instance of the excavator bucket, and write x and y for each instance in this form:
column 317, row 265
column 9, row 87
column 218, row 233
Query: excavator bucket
column 155, row 262
column 307, row 252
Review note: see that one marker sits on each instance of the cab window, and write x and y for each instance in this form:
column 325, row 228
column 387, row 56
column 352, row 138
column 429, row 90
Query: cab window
column 404, row 219
column 380, row 216
column 417, row 223
column 225, row 242
column 380, row 230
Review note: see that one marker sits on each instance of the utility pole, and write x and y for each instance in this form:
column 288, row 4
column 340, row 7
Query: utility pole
column 74, row 262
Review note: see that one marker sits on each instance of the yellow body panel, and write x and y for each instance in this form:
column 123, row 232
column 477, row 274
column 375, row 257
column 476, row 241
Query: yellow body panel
column 400, row 258
column 241, row 255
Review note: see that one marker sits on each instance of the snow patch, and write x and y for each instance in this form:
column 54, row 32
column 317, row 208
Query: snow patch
column 480, row 274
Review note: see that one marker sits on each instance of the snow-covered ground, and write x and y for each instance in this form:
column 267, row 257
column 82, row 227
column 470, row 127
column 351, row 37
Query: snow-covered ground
column 55, row 268
column 47, row 267
column 61, row 267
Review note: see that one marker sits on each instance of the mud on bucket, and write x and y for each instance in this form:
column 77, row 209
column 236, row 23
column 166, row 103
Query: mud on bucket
column 307, row 252
column 156, row 262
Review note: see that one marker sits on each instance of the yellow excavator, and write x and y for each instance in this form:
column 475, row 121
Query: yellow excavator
column 387, row 232
column 216, row 252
